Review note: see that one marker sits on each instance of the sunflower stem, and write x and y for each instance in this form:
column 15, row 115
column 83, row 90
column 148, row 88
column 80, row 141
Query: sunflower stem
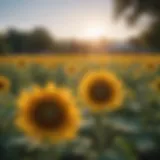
column 99, row 130
column 56, row 153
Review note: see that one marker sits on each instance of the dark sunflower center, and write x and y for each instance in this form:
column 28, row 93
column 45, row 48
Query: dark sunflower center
column 49, row 114
column 1, row 85
column 100, row 91
column 150, row 66
column 21, row 63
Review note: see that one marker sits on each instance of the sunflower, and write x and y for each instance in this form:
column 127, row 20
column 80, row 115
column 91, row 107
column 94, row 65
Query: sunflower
column 156, row 84
column 4, row 84
column 101, row 90
column 21, row 63
column 48, row 113
column 151, row 66
column 51, row 66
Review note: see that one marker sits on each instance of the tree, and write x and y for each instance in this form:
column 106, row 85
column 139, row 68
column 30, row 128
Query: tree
column 138, row 8
column 40, row 41
column 37, row 40
column 3, row 45
column 17, row 40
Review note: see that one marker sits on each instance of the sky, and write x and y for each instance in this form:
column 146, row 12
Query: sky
column 67, row 18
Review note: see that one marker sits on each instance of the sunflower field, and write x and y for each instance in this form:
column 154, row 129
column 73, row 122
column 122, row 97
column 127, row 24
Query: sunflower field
column 80, row 107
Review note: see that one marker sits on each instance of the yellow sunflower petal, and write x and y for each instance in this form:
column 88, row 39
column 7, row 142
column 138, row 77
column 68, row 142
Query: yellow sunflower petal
column 50, row 86
column 4, row 84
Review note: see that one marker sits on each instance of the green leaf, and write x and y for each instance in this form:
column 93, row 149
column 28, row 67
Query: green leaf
column 126, row 148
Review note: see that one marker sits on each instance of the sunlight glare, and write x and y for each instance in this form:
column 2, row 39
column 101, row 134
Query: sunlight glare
column 95, row 32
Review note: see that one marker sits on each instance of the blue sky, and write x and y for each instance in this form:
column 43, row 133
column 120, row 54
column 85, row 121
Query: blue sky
column 65, row 18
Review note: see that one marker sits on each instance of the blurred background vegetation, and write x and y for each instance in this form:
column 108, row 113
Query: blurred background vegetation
column 39, row 39
column 150, row 37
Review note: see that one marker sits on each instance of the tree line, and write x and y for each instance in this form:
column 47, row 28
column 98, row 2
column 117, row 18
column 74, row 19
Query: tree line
column 39, row 40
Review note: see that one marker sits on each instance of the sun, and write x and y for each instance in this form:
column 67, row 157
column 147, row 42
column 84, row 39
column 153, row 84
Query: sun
column 95, row 32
